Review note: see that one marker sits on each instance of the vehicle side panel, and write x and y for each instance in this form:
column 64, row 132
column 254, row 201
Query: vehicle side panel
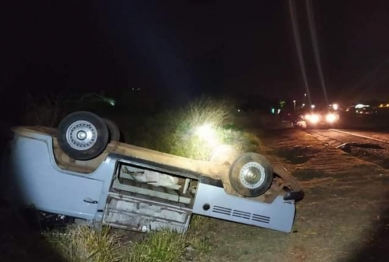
column 33, row 178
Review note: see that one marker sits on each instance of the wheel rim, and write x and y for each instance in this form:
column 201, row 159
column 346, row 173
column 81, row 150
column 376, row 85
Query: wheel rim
column 252, row 175
column 81, row 135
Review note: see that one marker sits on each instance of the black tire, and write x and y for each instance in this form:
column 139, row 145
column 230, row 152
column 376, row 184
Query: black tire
column 90, row 140
column 251, row 163
column 114, row 132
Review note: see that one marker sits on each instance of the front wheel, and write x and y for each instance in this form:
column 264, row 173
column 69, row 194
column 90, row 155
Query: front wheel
column 82, row 135
column 251, row 175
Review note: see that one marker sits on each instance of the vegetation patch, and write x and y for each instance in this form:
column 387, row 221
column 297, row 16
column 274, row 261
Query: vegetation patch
column 162, row 245
column 81, row 243
column 192, row 131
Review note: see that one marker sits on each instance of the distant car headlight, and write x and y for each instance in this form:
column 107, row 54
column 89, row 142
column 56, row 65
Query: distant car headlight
column 313, row 118
column 331, row 118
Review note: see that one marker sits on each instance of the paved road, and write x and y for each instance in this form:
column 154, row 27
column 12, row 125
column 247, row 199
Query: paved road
column 367, row 145
column 373, row 135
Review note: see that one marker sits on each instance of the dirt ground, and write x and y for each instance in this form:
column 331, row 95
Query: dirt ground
column 343, row 217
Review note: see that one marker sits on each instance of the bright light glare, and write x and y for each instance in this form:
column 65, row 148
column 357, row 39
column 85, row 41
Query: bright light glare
column 331, row 118
column 204, row 130
column 361, row 106
column 313, row 118
column 207, row 133
column 335, row 106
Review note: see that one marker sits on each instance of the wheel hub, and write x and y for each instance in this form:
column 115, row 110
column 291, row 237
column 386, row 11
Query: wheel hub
column 252, row 175
column 81, row 135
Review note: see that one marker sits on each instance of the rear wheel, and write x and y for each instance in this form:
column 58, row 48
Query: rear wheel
column 82, row 135
column 251, row 175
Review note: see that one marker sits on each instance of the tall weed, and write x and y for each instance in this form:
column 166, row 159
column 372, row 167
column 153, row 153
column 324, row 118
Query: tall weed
column 174, row 131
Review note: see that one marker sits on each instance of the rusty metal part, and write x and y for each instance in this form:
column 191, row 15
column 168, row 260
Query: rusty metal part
column 290, row 181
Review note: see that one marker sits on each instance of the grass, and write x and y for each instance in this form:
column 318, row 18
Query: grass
column 175, row 131
column 200, row 232
column 159, row 246
column 79, row 243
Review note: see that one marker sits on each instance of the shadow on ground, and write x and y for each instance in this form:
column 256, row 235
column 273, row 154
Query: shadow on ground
column 18, row 242
column 377, row 242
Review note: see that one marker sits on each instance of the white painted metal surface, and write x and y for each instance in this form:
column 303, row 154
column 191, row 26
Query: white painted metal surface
column 212, row 201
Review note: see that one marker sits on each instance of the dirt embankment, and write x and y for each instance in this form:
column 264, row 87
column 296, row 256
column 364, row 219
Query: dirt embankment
column 343, row 217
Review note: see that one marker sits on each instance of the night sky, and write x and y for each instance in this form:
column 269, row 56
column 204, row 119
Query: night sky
column 232, row 47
